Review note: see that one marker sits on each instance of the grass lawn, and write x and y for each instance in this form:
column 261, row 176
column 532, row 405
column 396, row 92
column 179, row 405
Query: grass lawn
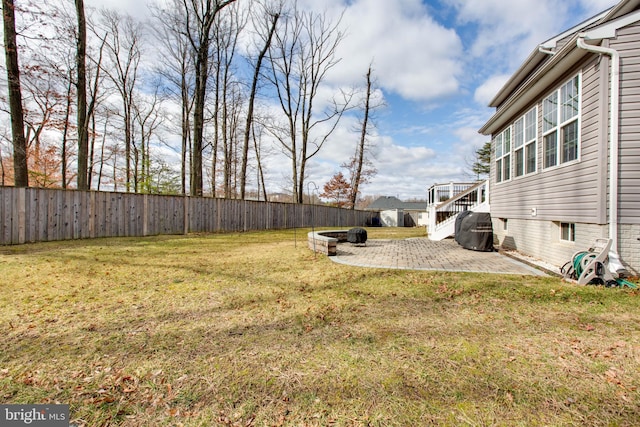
column 254, row 330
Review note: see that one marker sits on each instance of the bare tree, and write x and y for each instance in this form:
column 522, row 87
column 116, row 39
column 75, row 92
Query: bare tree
column 228, row 92
column 300, row 57
column 269, row 26
column 21, row 172
column 65, row 131
column 98, row 86
column 45, row 111
column 256, row 132
column 200, row 18
column 360, row 168
column 177, row 71
column 122, row 37
column 148, row 117
column 56, row 57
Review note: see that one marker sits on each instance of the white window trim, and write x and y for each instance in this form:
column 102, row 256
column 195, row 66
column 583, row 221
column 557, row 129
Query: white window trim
column 572, row 226
column 525, row 144
column 560, row 125
column 509, row 153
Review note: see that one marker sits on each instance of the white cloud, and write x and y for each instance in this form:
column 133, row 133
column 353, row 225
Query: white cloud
column 596, row 6
column 412, row 55
column 137, row 9
column 488, row 90
column 508, row 30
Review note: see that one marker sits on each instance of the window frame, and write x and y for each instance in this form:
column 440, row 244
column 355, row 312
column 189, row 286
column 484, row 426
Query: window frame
column 570, row 227
column 525, row 142
column 503, row 147
column 558, row 124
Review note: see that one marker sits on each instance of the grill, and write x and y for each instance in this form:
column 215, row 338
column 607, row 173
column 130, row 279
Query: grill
column 357, row 236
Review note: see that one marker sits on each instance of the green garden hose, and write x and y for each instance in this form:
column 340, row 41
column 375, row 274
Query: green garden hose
column 578, row 268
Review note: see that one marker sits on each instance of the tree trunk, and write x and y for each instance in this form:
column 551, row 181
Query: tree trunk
column 207, row 11
column 91, row 149
column 186, row 132
column 260, row 171
column 20, row 169
column 252, row 96
column 202, row 72
column 361, row 147
column 83, row 130
column 65, row 135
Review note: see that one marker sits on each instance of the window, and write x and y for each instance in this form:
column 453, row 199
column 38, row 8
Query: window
column 567, row 232
column 524, row 143
column 560, row 124
column 502, row 147
column 518, row 146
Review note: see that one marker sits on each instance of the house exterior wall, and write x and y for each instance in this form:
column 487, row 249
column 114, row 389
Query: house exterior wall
column 573, row 192
column 627, row 43
column 577, row 192
column 541, row 239
column 629, row 246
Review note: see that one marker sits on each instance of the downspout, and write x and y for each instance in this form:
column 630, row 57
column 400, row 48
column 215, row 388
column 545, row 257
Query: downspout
column 613, row 135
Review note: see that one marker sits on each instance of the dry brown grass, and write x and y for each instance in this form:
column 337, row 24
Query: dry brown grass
column 252, row 329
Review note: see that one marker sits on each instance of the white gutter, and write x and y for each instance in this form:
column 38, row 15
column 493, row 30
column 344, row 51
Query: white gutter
column 613, row 134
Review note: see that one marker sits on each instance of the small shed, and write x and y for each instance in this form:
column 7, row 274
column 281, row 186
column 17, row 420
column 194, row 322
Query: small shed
column 396, row 213
column 392, row 218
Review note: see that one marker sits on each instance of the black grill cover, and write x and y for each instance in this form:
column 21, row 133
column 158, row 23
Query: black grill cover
column 357, row 235
column 461, row 216
column 474, row 230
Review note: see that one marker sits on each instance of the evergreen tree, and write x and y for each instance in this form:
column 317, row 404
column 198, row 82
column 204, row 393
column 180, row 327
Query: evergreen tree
column 482, row 164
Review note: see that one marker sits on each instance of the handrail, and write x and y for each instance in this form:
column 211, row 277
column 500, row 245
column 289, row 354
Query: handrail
column 442, row 215
column 461, row 195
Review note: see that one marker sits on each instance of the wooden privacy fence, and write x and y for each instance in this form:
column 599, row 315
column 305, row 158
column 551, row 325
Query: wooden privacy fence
column 41, row 214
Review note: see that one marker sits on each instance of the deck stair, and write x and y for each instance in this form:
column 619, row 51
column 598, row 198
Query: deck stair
column 442, row 216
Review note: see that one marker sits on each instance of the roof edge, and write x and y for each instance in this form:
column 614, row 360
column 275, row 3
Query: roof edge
column 611, row 20
column 535, row 57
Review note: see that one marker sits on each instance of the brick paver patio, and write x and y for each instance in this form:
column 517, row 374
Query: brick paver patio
column 425, row 254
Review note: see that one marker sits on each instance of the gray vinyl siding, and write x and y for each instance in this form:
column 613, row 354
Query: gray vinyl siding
column 570, row 193
column 627, row 43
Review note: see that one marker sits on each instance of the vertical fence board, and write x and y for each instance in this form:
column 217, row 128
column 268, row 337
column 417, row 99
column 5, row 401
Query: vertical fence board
column 4, row 216
column 77, row 212
column 31, row 214
column 152, row 216
column 12, row 218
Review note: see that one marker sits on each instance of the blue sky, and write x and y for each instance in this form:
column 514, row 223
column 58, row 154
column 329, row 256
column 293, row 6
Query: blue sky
column 437, row 64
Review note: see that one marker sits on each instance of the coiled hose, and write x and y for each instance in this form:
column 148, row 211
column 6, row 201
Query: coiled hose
column 578, row 268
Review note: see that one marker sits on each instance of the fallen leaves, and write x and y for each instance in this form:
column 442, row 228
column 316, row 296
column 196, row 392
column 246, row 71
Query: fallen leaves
column 108, row 384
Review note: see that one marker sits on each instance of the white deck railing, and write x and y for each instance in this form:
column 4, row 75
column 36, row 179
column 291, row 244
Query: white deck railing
column 442, row 216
